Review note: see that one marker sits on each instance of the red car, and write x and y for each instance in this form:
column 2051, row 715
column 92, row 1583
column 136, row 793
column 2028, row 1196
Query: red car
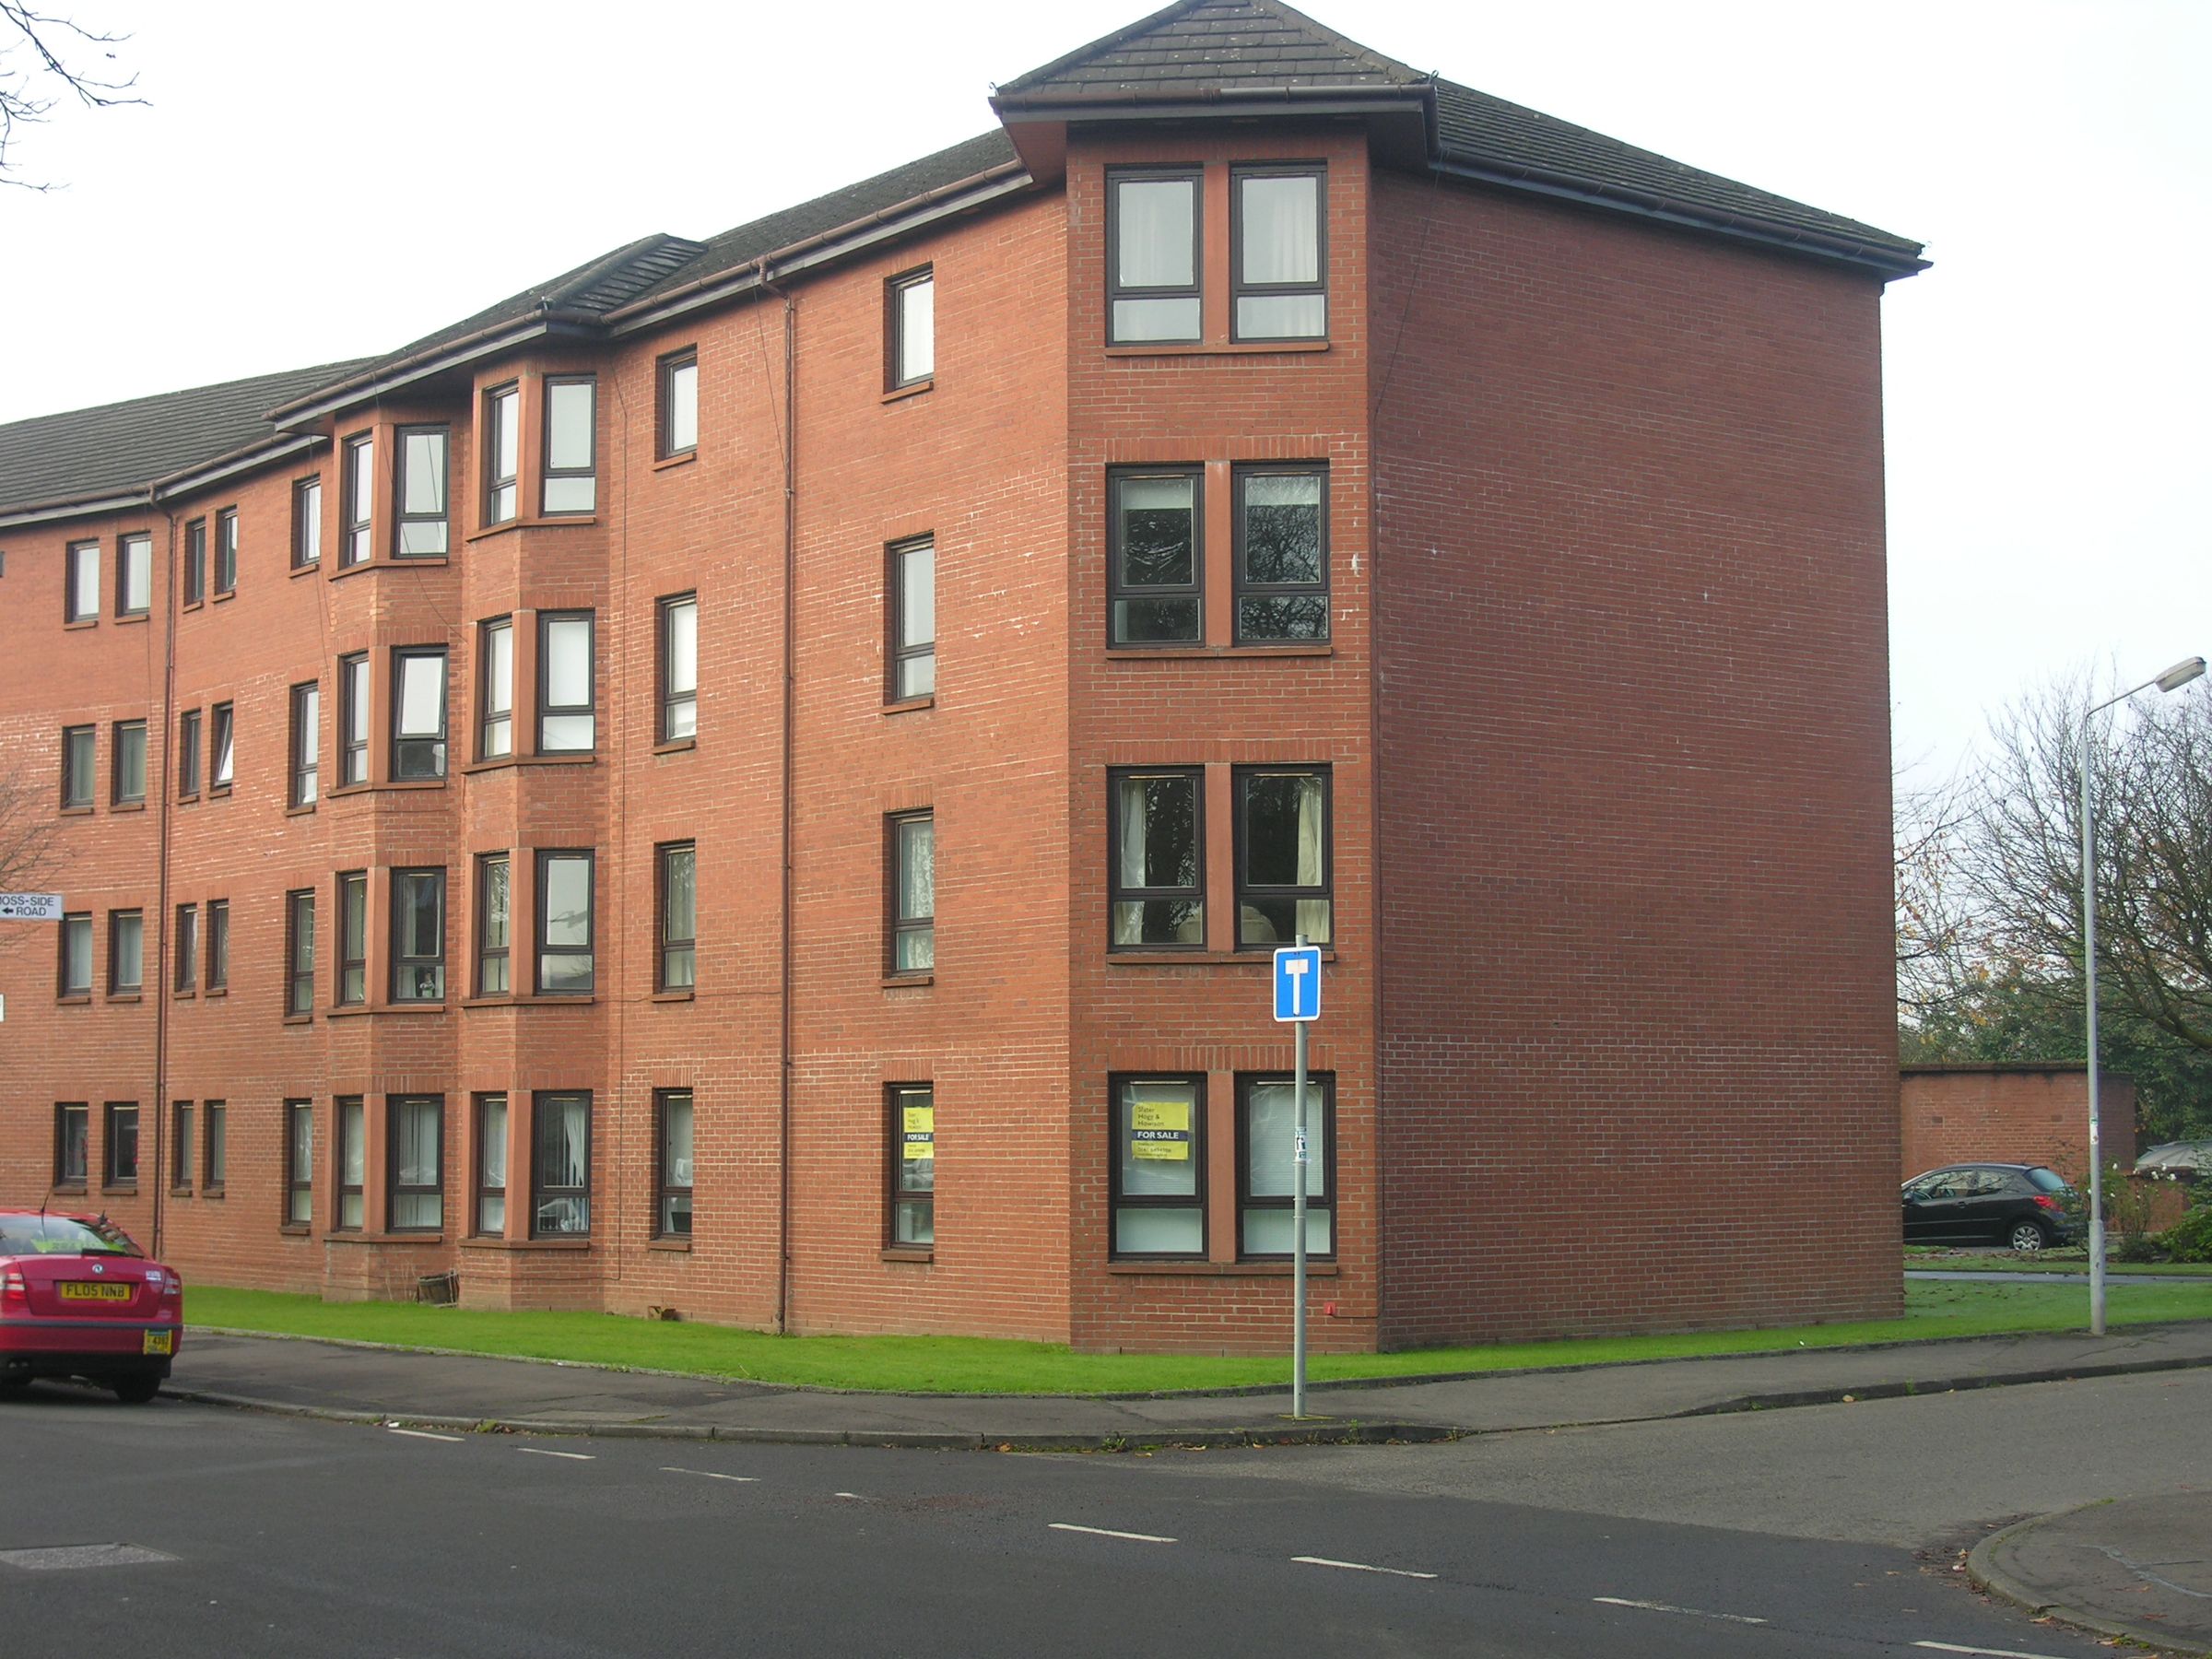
column 78, row 1298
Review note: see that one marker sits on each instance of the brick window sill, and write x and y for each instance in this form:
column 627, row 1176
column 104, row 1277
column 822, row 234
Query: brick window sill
column 134, row 616
column 665, row 462
column 213, row 1191
column 1154, row 653
column 678, row 746
column 308, row 810
column 899, row 1254
column 192, row 798
column 183, row 996
column 68, row 1192
column 190, row 606
column 359, row 1010
column 1219, row 1269
column 228, row 593
column 434, row 562
column 385, row 1238
column 218, row 791
column 900, row 981
column 673, row 1246
column 298, row 1020
column 530, row 1001
column 899, row 394
column 582, row 757
column 907, row 705
column 214, row 990
column 180, row 1191
column 508, row 527
column 124, row 996
column 77, row 812
column 1217, row 349
column 126, row 806
column 525, row 1244
column 312, row 569
column 297, row 1230
column 674, row 996
column 81, row 999
column 80, row 623
column 119, row 1189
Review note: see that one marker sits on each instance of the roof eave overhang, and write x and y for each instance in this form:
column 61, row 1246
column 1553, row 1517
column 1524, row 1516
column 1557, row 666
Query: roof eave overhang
column 388, row 379
column 1401, row 119
column 73, row 507
column 183, row 482
column 842, row 242
column 1888, row 262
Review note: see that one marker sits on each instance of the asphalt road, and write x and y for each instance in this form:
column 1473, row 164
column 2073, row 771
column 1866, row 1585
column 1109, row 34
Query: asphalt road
column 1762, row 1535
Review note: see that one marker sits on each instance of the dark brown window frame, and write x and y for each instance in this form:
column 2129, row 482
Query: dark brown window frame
column 443, row 517
column 486, row 953
column 214, row 1146
column 549, row 710
column 350, row 985
column 1324, row 1082
column 895, row 654
column 540, row 1190
column 1117, row 1200
column 1241, row 588
column 666, row 941
column 188, row 755
column 502, row 428
column 431, row 749
column 340, row 1188
column 299, row 977
column 226, row 551
column 65, row 1178
column 122, row 572
column 298, row 1207
column 113, row 1177
column 116, row 797
column 222, row 732
column 73, row 558
column 1237, row 288
column 356, row 698
column 81, row 785
column 195, row 563
column 1195, row 590
column 670, row 698
column 665, row 372
column 307, row 523
column 218, row 945
column 63, row 990
column 896, row 1100
column 550, row 475
column 898, row 925
column 396, row 1109
column 1115, row 178
column 304, row 776
column 666, row 1190
column 356, row 499
column 400, row 961
column 117, row 987
column 1326, row 890
column 181, row 1147
column 490, row 712
column 895, row 290
column 184, row 975
column 479, row 1190
column 589, row 949
column 1116, row 894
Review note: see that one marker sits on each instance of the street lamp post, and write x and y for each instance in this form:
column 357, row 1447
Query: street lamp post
column 2173, row 680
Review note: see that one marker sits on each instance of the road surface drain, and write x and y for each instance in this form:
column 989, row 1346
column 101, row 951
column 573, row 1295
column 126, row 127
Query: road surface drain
column 82, row 1554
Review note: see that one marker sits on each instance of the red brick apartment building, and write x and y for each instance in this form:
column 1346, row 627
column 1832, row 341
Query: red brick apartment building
column 761, row 775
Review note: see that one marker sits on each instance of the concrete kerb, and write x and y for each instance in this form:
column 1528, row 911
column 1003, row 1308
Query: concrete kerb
column 1985, row 1574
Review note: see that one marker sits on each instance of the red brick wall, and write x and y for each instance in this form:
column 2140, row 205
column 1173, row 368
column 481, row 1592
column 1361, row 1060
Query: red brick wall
column 2012, row 1114
column 1637, row 1057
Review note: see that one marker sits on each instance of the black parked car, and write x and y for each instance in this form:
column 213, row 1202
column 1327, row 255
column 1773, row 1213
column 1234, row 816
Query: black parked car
column 2023, row 1205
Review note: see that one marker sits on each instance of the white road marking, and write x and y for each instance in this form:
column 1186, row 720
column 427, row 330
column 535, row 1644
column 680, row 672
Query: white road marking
column 1952, row 1647
column 707, row 1474
column 548, row 1452
column 1652, row 1607
column 855, row 1496
column 425, row 1434
column 1361, row 1567
column 1107, row 1532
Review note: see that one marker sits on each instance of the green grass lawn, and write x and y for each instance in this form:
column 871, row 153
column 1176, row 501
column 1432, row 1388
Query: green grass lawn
column 976, row 1365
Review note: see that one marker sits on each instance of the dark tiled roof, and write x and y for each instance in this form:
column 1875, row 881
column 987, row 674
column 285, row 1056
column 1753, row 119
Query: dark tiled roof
column 658, row 263
column 124, row 447
column 1489, row 132
column 1195, row 44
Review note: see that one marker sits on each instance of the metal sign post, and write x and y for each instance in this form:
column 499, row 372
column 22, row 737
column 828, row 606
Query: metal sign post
column 1297, row 1002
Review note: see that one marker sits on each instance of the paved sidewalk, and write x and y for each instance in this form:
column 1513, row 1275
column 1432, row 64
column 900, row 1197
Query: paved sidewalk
column 2140, row 1568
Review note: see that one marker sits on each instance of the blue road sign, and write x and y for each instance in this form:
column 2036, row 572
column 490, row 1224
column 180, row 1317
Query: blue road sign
column 1298, row 981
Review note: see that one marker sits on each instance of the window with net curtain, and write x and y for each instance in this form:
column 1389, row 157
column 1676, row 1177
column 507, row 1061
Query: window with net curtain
column 417, row 1185
column 1277, row 282
column 915, row 893
column 560, row 1201
column 1153, row 231
column 674, row 1219
column 1158, row 877
column 1158, row 1168
column 1267, row 1146
column 1283, row 856
column 491, row 1165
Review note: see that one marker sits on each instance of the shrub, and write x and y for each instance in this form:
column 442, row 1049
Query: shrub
column 2190, row 1239
column 2139, row 1247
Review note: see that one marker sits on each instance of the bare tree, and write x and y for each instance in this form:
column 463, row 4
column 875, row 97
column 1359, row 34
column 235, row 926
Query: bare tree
column 37, row 73
column 2152, row 789
column 1937, row 936
column 30, row 849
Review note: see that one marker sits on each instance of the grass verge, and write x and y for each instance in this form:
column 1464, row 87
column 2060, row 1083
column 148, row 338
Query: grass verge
column 977, row 1365
column 2071, row 1258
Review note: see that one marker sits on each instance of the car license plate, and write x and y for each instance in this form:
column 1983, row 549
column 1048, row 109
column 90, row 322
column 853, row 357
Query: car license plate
column 86, row 1290
column 160, row 1342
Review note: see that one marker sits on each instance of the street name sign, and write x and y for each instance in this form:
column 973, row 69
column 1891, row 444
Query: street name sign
column 31, row 907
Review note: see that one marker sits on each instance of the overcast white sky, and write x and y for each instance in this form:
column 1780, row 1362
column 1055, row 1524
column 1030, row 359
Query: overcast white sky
column 314, row 182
